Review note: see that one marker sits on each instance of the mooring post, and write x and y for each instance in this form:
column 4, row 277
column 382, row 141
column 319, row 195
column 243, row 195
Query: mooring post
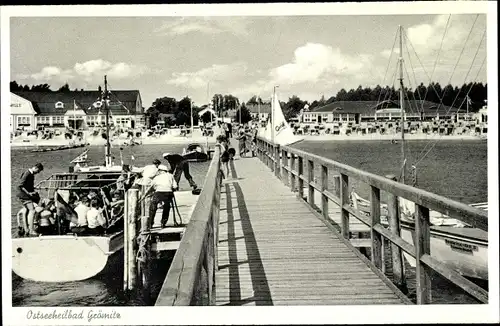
column 132, row 202
column 125, row 242
column 398, row 270
column 284, row 167
column 144, row 264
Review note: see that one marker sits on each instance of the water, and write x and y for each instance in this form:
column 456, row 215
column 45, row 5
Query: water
column 105, row 290
column 456, row 169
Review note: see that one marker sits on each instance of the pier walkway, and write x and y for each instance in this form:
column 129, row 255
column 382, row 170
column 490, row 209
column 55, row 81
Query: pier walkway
column 274, row 250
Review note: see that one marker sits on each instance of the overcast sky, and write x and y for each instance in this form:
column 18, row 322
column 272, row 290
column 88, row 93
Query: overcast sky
column 305, row 55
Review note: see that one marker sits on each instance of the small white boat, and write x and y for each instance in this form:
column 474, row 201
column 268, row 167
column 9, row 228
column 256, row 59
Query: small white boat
column 63, row 258
column 453, row 242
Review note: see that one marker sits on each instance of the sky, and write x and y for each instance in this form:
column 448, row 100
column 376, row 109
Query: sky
column 307, row 56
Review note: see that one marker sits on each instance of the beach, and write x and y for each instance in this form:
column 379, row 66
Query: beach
column 390, row 137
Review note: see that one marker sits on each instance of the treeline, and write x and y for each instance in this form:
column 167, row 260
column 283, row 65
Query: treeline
column 15, row 87
column 451, row 95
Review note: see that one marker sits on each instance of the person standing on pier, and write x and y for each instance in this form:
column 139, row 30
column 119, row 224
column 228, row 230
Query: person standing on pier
column 148, row 173
column 164, row 185
column 230, row 130
column 179, row 165
column 28, row 197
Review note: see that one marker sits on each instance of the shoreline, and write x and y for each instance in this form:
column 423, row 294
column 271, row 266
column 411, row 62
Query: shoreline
column 91, row 141
column 395, row 137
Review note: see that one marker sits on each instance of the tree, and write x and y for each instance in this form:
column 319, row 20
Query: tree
column 206, row 117
column 293, row 106
column 41, row 88
column 243, row 114
column 165, row 105
column 65, row 88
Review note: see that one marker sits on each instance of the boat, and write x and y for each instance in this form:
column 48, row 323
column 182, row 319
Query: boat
column 195, row 153
column 58, row 148
column 61, row 256
column 277, row 130
column 453, row 242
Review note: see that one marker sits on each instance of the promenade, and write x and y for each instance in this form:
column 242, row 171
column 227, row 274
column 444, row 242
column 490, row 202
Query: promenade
column 273, row 250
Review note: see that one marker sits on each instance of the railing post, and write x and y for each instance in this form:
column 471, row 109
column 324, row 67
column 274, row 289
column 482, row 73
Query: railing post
column 300, row 175
column 422, row 247
column 344, row 200
column 394, row 226
column 126, row 243
column 310, row 180
column 277, row 161
column 285, row 173
column 376, row 252
column 336, row 185
column 291, row 166
column 324, row 186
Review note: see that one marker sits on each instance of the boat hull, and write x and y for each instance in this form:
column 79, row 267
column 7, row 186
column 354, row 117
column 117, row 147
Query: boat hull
column 467, row 256
column 63, row 258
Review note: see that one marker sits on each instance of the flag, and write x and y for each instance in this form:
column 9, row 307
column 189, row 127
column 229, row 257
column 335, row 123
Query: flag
column 132, row 157
column 75, row 106
column 469, row 100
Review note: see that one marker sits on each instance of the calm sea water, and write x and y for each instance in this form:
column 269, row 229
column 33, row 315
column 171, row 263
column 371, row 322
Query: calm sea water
column 456, row 169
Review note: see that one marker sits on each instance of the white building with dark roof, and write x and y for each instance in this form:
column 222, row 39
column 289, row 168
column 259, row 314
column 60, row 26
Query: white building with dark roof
column 80, row 109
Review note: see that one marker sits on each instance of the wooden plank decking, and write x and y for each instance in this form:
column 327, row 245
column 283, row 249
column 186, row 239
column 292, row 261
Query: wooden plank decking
column 274, row 251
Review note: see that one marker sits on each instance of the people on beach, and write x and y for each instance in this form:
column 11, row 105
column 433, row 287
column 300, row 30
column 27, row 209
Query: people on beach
column 29, row 197
column 164, row 185
column 179, row 165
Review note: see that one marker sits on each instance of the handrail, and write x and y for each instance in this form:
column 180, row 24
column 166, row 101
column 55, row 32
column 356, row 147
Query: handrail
column 288, row 165
column 191, row 277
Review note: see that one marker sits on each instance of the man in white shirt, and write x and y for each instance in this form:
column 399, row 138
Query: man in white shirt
column 164, row 185
column 95, row 219
column 81, row 210
column 148, row 173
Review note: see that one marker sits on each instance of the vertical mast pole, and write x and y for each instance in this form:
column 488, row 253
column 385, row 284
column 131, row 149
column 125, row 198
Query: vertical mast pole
column 192, row 122
column 402, row 101
column 108, row 144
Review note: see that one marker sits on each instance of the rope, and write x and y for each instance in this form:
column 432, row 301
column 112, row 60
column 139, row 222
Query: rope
column 174, row 209
column 142, row 252
column 388, row 65
column 435, row 62
column 449, row 81
column 434, row 144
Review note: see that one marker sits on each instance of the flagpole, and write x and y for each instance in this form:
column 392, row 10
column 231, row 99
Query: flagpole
column 74, row 114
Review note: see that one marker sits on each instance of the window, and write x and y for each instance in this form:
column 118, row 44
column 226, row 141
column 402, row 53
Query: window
column 59, row 105
column 23, row 121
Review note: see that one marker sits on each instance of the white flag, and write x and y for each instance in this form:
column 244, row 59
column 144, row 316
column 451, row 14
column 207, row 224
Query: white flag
column 132, row 157
column 469, row 100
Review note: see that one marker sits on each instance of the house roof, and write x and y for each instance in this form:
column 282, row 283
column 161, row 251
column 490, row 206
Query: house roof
column 367, row 107
column 264, row 108
column 121, row 102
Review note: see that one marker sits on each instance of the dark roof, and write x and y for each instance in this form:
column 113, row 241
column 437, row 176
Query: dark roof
column 44, row 102
column 366, row 107
column 264, row 108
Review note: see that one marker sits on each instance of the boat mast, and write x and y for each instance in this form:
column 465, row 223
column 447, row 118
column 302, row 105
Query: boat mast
column 401, row 100
column 106, row 109
column 272, row 113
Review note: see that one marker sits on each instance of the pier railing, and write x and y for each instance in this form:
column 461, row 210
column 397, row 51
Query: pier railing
column 288, row 163
column 191, row 277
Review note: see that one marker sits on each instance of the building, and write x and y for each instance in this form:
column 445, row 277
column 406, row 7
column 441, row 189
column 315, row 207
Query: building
column 75, row 109
column 364, row 111
column 264, row 109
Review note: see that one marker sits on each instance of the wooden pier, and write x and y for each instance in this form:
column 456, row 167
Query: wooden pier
column 274, row 233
